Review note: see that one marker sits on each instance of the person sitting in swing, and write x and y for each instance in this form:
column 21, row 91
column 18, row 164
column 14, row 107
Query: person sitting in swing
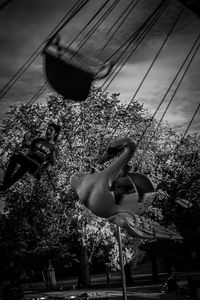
column 33, row 156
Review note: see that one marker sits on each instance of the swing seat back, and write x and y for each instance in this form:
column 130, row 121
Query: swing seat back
column 142, row 182
column 67, row 78
column 140, row 197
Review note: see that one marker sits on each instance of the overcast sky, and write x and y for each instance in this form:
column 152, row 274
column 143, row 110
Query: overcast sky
column 25, row 24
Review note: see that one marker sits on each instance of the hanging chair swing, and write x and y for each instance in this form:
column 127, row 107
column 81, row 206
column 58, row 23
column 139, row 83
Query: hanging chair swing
column 139, row 194
column 66, row 73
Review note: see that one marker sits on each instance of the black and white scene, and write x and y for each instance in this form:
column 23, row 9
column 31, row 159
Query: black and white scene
column 99, row 149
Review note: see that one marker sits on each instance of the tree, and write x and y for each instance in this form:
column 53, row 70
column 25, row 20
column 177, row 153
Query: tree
column 46, row 216
column 181, row 173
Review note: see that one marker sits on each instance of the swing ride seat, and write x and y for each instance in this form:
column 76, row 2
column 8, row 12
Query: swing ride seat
column 131, row 209
column 67, row 76
column 192, row 5
column 97, row 191
column 133, row 192
column 140, row 194
column 142, row 182
column 134, row 203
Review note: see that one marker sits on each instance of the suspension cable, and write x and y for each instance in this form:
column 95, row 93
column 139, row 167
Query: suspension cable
column 94, row 28
column 89, row 34
column 176, row 76
column 163, row 7
column 108, row 11
column 152, row 23
column 175, row 91
column 139, row 30
column 75, row 9
column 138, row 42
column 189, row 125
column 45, row 85
column 120, row 24
column 5, row 3
column 154, row 60
column 186, row 131
column 53, row 36
column 174, row 151
column 88, row 23
column 38, row 93
column 158, row 53
column 41, row 90
column 118, row 19
column 141, row 39
column 163, row 1
column 160, row 103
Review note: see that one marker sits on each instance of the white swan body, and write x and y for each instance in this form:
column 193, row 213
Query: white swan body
column 96, row 193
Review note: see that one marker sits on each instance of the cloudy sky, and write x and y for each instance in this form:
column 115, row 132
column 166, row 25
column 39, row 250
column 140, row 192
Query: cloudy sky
column 25, row 25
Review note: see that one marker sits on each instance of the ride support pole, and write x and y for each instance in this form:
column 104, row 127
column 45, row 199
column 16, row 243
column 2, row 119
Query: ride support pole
column 121, row 263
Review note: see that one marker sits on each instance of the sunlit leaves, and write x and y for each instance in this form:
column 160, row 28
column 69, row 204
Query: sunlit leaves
column 46, row 218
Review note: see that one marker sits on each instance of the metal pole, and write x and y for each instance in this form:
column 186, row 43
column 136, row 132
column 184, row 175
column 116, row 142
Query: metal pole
column 121, row 263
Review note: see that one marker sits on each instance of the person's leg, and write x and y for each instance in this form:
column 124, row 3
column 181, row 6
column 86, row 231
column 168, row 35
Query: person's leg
column 34, row 165
column 9, row 171
column 11, row 175
column 27, row 163
column 11, row 166
column 16, row 176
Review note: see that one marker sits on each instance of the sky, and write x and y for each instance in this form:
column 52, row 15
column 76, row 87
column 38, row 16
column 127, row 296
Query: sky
column 25, row 25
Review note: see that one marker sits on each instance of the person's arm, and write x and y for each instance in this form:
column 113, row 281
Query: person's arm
column 53, row 157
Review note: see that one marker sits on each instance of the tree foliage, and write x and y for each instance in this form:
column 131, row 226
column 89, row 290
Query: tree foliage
column 46, row 216
column 46, row 221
